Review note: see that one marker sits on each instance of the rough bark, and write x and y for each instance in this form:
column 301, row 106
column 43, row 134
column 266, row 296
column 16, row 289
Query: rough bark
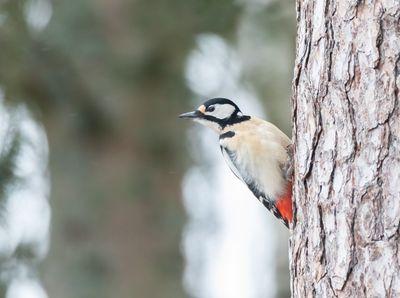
column 345, row 240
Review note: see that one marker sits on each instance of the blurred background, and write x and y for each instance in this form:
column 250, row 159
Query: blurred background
column 103, row 191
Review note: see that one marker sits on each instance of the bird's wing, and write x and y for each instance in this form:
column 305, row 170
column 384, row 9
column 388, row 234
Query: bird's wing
column 230, row 158
column 242, row 174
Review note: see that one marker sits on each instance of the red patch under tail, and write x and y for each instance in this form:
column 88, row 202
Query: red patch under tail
column 284, row 204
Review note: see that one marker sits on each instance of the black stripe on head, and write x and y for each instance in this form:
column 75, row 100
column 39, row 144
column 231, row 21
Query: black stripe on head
column 221, row 101
column 235, row 118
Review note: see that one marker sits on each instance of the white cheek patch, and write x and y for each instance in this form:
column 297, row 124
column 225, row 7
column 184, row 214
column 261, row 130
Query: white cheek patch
column 213, row 125
column 222, row 111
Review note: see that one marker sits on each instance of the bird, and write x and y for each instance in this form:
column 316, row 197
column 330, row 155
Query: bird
column 256, row 151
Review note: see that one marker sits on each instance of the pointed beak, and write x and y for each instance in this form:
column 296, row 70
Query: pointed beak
column 191, row 115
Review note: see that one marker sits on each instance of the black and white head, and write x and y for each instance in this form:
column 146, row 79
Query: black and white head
column 217, row 113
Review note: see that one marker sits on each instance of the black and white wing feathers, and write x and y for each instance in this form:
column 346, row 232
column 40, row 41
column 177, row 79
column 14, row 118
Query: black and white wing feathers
column 231, row 159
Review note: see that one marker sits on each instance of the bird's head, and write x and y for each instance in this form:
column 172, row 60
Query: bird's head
column 217, row 113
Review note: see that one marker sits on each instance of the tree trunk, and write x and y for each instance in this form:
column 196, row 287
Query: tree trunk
column 345, row 240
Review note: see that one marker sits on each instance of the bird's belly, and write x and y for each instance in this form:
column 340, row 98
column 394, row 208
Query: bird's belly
column 267, row 175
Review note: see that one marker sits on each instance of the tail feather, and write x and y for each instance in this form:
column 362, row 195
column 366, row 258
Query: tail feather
column 282, row 206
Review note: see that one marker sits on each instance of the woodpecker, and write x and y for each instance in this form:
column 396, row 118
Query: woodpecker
column 257, row 152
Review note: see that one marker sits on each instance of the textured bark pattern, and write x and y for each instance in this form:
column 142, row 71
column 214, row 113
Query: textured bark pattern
column 345, row 240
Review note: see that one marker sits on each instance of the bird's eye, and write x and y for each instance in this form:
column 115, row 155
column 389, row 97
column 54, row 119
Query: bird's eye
column 210, row 109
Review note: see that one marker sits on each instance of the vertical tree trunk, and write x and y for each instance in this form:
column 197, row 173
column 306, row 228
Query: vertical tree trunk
column 345, row 240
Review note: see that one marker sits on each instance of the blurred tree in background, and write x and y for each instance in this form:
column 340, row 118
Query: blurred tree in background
column 106, row 80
